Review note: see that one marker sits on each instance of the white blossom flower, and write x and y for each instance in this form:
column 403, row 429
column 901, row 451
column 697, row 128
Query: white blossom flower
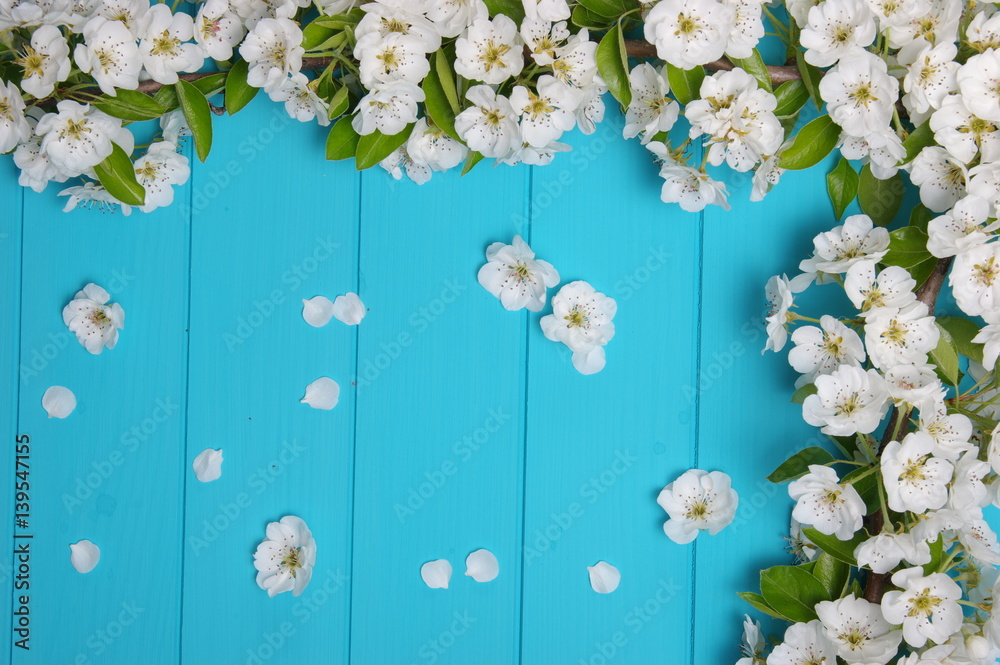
column 968, row 492
column 129, row 13
column 823, row 502
column 753, row 643
column 163, row 48
column 36, row 170
column 94, row 322
column 489, row 51
column 836, row 29
column 984, row 31
column 591, row 109
column 651, row 109
column 685, row 185
column 284, row 560
column 985, row 182
column 961, row 228
column 780, row 295
column 931, row 78
column 576, row 62
column 925, row 605
column 451, row 17
column 394, row 57
column 979, row 540
column 858, row 630
column 399, row 162
column 942, row 178
column 384, row 19
column 45, row 62
column 915, row 385
column 218, row 29
column 885, row 551
column 937, row 24
column 951, row 432
column 962, row 133
column 989, row 337
column 388, row 108
column 110, row 55
column 581, row 319
column 979, row 81
column 273, row 49
column 158, row 170
column 689, row 33
column 433, row 148
column 893, row 288
column 489, row 126
column 975, row 279
column 536, row 156
column 547, row 113
column 543, row 39
column 859, row 93
column 93, row 195
column 546, row 10
column 14, row 127
column 900, row 337
column 516, row 277
column 24, row 13
column 824, row 349
column 883, row 151
column 803, row 644
column 848, row 401
column 898, row 13
column 301, row 100
column 914, row 479
column 698, row 501
column 766, row 177
column 77, row 137
column 856, row 240
column 748, row 27
column 174, row 126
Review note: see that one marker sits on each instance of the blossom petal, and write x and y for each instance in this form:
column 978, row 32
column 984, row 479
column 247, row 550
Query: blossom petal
column 349, row 309
column 482, row 566
column 317, row 311
column 604, row 577
column 84, row 555
column 589, row 362
column 323, row 393
column 436, row 574
column 58, row 402
column 208, row 465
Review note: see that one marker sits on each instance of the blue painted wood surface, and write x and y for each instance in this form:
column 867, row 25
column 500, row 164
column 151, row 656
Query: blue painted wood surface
column 459, row 426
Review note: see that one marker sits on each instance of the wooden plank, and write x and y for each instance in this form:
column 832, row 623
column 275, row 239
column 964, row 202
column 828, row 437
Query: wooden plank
column 111, row 472
column 440, row 423
column 600, row 447
column 273, row 223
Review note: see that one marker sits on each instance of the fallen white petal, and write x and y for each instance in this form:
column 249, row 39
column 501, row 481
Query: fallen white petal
column 208, row 465
column 323, row 393
column 317, row 311
column 58, row 402
column 349, row 309
column 436, row 574
column 604, row 577
column 482, row 566
column 84, row 556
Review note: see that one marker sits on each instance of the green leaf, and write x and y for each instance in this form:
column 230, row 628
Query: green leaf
column 921, row 216
column 130, row 105
column 805, row 391
column 340, row 102
column 374, row 147
column 685, row 83
column 797, row 465
column 584, row 18
column 810, row 79
column 758, row 603
column 612, row 63
column 813, row 142
column 211, row 85
column 754, row 65
column 117, row 174
column 470, row 161
column 842, row 185
column 907, row 248
column 937, row 557
column 833, row 573
column 437, row 105
column 198, row 115
column 340, row 21
column 610, row 8
column 880, row 199
column 920, row 138
column 841, row 550
column 792, row 96
column 792, row 591
column 238, row 92
column 342, row 141
column 166, row 97
column 945, row 356
column 510, row 8
column 442, row 66
column 316, row 33
column 962, row 332
column 865, row 481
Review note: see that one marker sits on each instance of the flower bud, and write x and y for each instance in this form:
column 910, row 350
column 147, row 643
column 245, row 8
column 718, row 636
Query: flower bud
column 977, row 647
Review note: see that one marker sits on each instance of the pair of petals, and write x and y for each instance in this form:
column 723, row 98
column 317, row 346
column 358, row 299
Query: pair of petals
column 481, row 565
column 348, row 309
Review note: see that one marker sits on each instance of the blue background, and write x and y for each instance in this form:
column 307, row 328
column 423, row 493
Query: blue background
column 405, row 469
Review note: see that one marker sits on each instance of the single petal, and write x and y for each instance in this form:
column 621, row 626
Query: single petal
column 84, row 556
column 323, row 393
column 604, row 577
column 482, row 566
column 94, row 292
column 58, row 402
column 208, row 465
column 436, row 574
column 349, row 309
column 317, row 311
